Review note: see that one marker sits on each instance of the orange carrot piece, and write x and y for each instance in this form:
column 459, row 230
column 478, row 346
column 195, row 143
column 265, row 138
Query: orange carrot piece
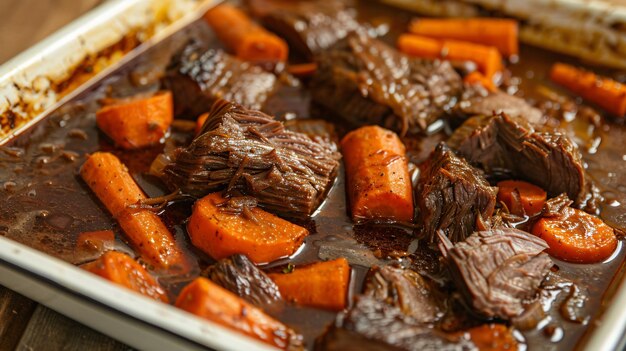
column 110, row 180
column 248, row 40
column 302, row 70
column 210, row 301
column 124, row 270
column 576, row 236
column 532, row 197
column 137, row 123
column 200, row 122
column 492, row 337
column 99, row 240
column 377, row 173
column 497, row 32
column 487, row 58
column 479, row 79
column 259, row 235
column 322, row 284
column 602, row 91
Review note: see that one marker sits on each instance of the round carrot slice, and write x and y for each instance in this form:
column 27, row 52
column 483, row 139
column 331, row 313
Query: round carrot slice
column 514, row 192
column 577, row 236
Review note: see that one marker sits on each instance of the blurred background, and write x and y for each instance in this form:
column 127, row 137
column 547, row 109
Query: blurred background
column 25, row 22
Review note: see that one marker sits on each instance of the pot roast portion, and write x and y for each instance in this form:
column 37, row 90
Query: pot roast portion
column 243, row 151
column 477, row 101
column 309, row 26
column 451, row 196
column 497, row 270
column 239, row 275
column 364, row 81
column 371, row 324
column 406, row 290
column 198, row 77
column 512, row 146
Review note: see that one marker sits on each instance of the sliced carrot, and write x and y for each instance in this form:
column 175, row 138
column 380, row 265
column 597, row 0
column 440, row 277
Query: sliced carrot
column 210, row 301
column 97, row 241
column 576, row 236
column 124, row 270
column 492, row 337
column 200, row 122
column 479, row 79
column 487, row 58
column 377, row 173
column 257, row 234
column 602, row 91
column 516, row 192
column 137, row 123
column 302, row 70
column 322, row 284
column 500, row 33
column 248, row 40
column 110, row 180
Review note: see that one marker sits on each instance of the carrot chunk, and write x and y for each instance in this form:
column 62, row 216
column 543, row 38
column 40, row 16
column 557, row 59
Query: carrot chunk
column 302, row 70
column 377, row 173
column 255, row 233
column 497, row 32
column 110, row 180
column 210, row 301
column 322, row 284
column 602, row 91
column 248, row 40
column 492, row 337
column 576, row 236
column 137, row 123
column 97, row 241
column 479, row 79
column 516, row 192
column 487, row 58
column 200, row 122
column 124, row 270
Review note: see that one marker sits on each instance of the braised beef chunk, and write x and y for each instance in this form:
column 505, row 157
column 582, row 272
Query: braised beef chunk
column 374, row 325
column 365, row 81
column 477, row 101
column 198, row 77
column 497, row 270
column 405, row 289
column 510, row 145
column 239, row 275
column 309, row 26
column 451, row 196
column 248, row 152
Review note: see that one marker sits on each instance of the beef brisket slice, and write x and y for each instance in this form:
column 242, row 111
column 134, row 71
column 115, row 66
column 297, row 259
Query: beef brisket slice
column 506, row 144
column 371, row 324
column 365, row 81
column 405, row 289
column 239, row 275
column 198, row 77
column 248, row 152
column 450, row 195
column 497, row 269
column 309, row 26
column 476, row 101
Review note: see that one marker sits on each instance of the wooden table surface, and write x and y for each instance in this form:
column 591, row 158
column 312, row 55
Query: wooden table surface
column 24, row 324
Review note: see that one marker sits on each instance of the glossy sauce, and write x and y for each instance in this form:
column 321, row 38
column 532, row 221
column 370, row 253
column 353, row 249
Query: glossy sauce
column 45, row 204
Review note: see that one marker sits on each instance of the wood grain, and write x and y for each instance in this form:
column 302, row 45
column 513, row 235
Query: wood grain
column 25, row 22
column 15, row 312
column 48, row 330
